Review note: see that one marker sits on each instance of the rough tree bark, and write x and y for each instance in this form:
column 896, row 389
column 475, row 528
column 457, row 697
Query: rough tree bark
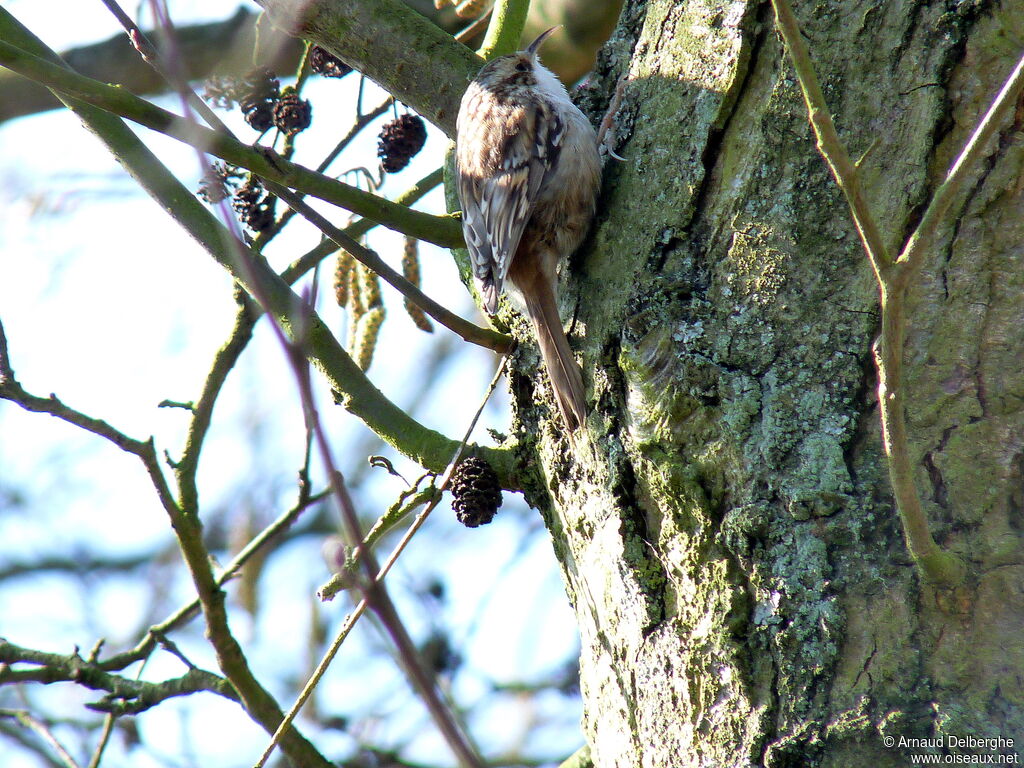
column 725, row 527
column 724, row 521
column 725, row 524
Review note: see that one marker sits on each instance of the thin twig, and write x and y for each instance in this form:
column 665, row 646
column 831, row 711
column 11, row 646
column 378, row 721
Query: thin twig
column 474, row 28
column 468, row 331
column 375, row 592
column 893, row 279
column 445, row 478
column 974, row 150
column 190, row 610
column 361, row 122
column 30, row 721
column 101, row 746
column 202, row 412
column 314, row 680
column 829, row 145
column 11, row 389
column 358, row 228
column 442, row 230
column 360, row 608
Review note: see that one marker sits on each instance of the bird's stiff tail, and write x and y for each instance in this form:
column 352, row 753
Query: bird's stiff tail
column 566, row 377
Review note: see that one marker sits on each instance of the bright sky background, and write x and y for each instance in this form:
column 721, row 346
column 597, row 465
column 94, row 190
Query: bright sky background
column 108, row 304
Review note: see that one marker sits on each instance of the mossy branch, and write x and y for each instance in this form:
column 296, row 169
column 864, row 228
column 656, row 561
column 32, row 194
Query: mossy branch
column 402, row 51
column 506, row 28
column 125, row 696
column 425, row 446
column 360, row 394
column 893, row 279
column 445, row 230
column 358, row 228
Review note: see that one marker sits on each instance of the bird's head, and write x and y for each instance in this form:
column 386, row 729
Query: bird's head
column 519, row 68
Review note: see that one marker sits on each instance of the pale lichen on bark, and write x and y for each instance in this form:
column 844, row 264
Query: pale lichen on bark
column 728, row 538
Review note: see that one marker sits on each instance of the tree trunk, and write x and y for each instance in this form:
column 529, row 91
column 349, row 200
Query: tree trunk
column 725, row 524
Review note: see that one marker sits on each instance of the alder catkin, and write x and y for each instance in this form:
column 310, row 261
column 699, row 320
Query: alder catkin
column 470, row 9
column 411, row 272
column 343, row 277
column 369, row 283
column 366, row 339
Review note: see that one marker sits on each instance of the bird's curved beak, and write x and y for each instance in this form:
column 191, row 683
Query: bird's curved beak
column 533, row 47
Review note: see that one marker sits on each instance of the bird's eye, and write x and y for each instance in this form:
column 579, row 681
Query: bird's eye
column 523, row 66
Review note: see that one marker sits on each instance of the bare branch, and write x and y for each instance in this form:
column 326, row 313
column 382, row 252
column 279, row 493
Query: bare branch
column 124, row 695
column 268, row 165
column 933, row 563
column 30, row 721
column 393, row 45
column 221, row 47
column 11, row 390
column 974, row 150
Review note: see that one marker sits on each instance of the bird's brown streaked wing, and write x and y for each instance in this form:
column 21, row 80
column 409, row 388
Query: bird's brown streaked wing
column 497, row 206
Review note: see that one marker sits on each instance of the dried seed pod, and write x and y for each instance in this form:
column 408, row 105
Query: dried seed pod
column 260, row 84
column 222, row 91
column 259, row 115
column 255, row 209
column 476, row 492
column 326, row 64
column 366, row 339
column 291, row 113
column 470, row 9
column 399, row 140
column 411, row 271
column 343, row 276
column 216, row 186
column 259, row 93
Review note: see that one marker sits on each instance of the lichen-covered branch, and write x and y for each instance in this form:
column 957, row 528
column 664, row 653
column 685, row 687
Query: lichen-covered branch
column 411, row 58
column 353, row 389
column 442, row 230
column 893, row 280
column 506, row 28
column 202, row 412
column 219, row 47
column 125, row 696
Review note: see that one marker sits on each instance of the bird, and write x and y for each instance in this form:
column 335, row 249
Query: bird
column 527, row 175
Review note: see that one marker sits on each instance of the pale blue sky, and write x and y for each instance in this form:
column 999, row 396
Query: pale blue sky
column 107, row 303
